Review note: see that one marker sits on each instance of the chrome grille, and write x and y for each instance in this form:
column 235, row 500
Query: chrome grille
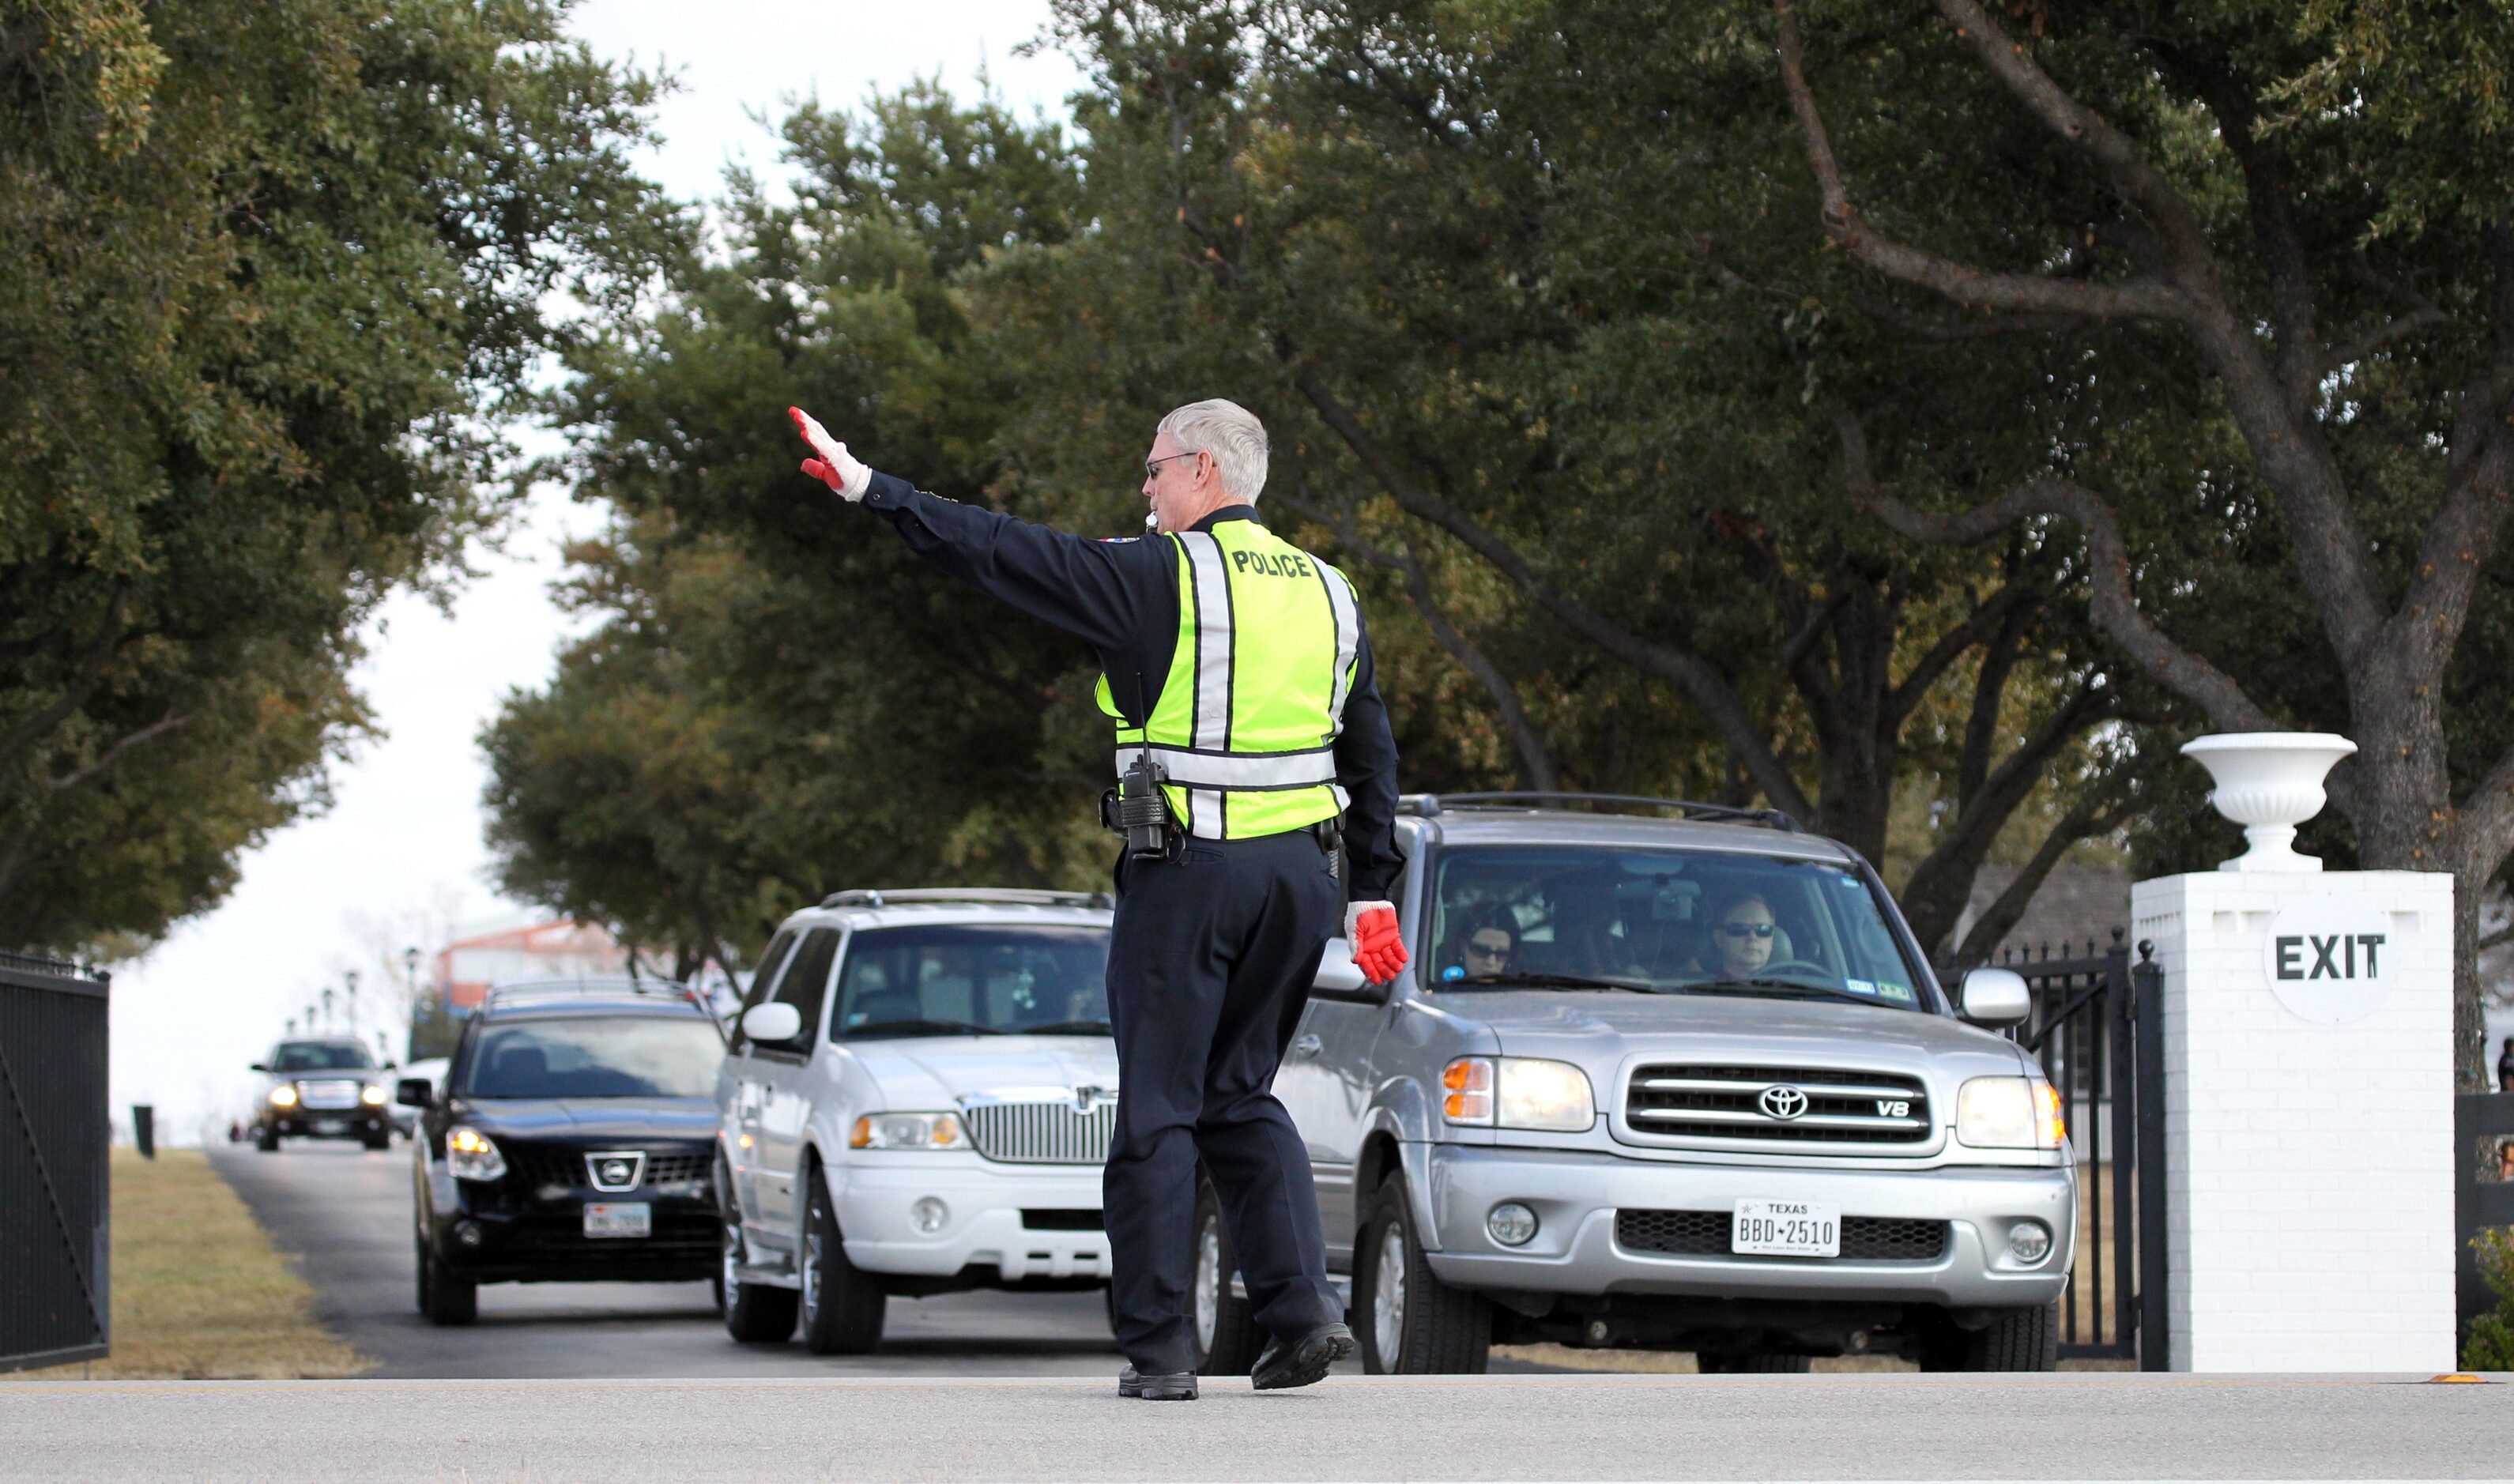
column 1705, row 1234
column 1041, row 1133
column 1725, row 1103
column 330, row 1095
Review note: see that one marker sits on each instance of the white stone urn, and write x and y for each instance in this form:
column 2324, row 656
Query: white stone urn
column 2269, row 783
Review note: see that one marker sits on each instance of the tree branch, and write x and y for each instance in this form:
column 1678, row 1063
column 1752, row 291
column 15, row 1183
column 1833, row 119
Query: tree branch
column 167, row 723
column 1700, row 683
column 1957, row 331
column 2140, row 297
column 2009, row 908
column 2114, row 609
column 91, row 674
column 1535, row 761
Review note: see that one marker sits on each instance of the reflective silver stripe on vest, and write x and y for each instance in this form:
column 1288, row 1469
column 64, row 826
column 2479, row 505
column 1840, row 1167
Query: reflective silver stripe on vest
column 1348, row 632
column 1200, row 773
column 1211, row 577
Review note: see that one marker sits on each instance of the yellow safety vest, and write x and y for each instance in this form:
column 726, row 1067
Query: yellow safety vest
column 1246, row 722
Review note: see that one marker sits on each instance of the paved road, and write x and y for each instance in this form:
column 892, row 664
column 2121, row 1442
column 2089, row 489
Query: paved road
column 1864, row 1428
column 346, row 1214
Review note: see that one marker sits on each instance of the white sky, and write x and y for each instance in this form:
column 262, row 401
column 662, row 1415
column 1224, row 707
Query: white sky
column 401, row 849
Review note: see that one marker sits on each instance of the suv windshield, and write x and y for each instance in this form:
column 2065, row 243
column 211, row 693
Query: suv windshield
column 1573, row 916
column 321, row 1056
column 937, row 980
column 629, row 1055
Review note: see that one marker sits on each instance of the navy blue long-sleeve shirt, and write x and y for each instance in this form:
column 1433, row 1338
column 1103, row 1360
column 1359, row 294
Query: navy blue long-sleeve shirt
column 1121, row 597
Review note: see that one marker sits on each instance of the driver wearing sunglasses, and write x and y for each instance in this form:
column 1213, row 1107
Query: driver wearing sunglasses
column 1743, row 932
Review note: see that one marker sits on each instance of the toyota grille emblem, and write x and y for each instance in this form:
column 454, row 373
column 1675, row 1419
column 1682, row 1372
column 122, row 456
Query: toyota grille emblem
column 1782, row 1102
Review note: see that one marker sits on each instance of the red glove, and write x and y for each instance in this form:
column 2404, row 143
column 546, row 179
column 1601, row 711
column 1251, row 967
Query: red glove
column 1378, row 947
column 836, row 467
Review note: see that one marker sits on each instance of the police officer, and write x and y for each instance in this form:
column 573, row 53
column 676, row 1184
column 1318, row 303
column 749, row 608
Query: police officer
column 1236, row 671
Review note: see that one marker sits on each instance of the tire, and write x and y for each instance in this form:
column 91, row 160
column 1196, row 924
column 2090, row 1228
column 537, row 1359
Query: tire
column 1227, row 1336
column 1411, row 1323
column 2016, row 1340
column 1751, row 1363
column 843, row 1307
column 445, row 1296
column 266, row 1140
column 382, row 1141
column 754, row 1313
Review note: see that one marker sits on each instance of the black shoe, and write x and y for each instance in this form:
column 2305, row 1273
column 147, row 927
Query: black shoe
column 1178, row 1385
column 1303, row 1362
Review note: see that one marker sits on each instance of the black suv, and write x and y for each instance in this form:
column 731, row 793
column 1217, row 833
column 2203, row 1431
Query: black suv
column 574, row 1142
column 326, row 1087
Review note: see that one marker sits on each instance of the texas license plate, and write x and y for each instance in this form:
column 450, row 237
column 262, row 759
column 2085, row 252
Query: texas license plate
column 1786, row 1229
column 618, row 1218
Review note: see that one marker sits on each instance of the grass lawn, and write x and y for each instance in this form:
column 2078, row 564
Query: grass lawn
column 198, row 1291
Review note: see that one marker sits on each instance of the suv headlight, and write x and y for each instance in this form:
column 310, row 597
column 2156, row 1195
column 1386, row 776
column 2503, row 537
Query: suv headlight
column 908, row 1131
column 2009, row 1113
column 284, row 1095
column 373, row 1096
column 470, row 1154
column 1518, row 1093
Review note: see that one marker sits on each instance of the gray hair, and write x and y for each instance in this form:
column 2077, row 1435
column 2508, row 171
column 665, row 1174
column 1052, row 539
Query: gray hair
column 1232, row 434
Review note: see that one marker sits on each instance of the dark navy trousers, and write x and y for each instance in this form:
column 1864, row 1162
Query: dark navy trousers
column 1210, row 963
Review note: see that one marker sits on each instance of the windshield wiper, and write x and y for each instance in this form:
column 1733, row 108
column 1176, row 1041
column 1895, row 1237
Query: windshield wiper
column 920, row 1027
column 1546, row 981
column 1800, row 987
column 1066, row 1028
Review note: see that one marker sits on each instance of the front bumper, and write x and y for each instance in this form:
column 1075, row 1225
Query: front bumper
column 987, row 1228
column 537, row 1235
column 362, row 1122
column 1577, row 1195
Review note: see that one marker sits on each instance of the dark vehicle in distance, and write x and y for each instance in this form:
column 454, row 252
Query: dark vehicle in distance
column 573, row 1140
column 322, row 1087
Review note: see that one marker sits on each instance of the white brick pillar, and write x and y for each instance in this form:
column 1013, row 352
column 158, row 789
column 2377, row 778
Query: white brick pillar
column 2308, row 1117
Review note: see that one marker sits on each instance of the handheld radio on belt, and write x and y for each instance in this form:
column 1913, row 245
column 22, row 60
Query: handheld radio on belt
column 1136, row 809
column 1142, row 815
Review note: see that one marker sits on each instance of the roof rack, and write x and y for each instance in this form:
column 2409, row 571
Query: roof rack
column 1429, row 806
column 874, row 897
column 598, row 984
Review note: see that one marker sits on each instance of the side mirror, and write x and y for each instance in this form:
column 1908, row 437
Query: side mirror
column 1340, row 978
column 774, row 1024
column 1996, row 997
column 414, row 1092
column 259, row 1066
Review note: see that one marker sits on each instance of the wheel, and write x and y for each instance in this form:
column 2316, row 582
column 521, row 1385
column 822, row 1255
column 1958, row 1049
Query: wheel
column 381, row 1139
column 1227, row 1336
column 266, row 1140
column 1411, row 1322
column 842, row 1304
column 754, row 1313
column 1750, row 1363
column 445, row 1296
column 2015, row 1339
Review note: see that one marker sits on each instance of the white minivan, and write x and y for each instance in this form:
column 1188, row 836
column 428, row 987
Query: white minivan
column 919, row 1093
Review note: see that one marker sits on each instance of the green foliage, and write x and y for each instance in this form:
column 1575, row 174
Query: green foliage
column 2487, row 1345
column 272, row 260
column 782, row 701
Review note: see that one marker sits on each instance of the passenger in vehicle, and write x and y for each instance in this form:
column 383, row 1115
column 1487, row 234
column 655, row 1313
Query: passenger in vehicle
column 1486, row 942
column 1585, row 916
column 1743, row 936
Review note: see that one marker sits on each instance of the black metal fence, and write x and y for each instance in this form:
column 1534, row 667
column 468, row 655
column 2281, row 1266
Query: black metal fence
column 55, row 1136
column 2097, row 1028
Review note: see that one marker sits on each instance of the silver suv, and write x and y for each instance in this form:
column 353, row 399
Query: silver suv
column 1678, row 1083
column 918, row 1098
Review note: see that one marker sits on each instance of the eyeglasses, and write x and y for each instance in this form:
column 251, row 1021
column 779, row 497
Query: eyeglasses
column 1483, row 950
column 1152, row 466
column 1747, row 930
